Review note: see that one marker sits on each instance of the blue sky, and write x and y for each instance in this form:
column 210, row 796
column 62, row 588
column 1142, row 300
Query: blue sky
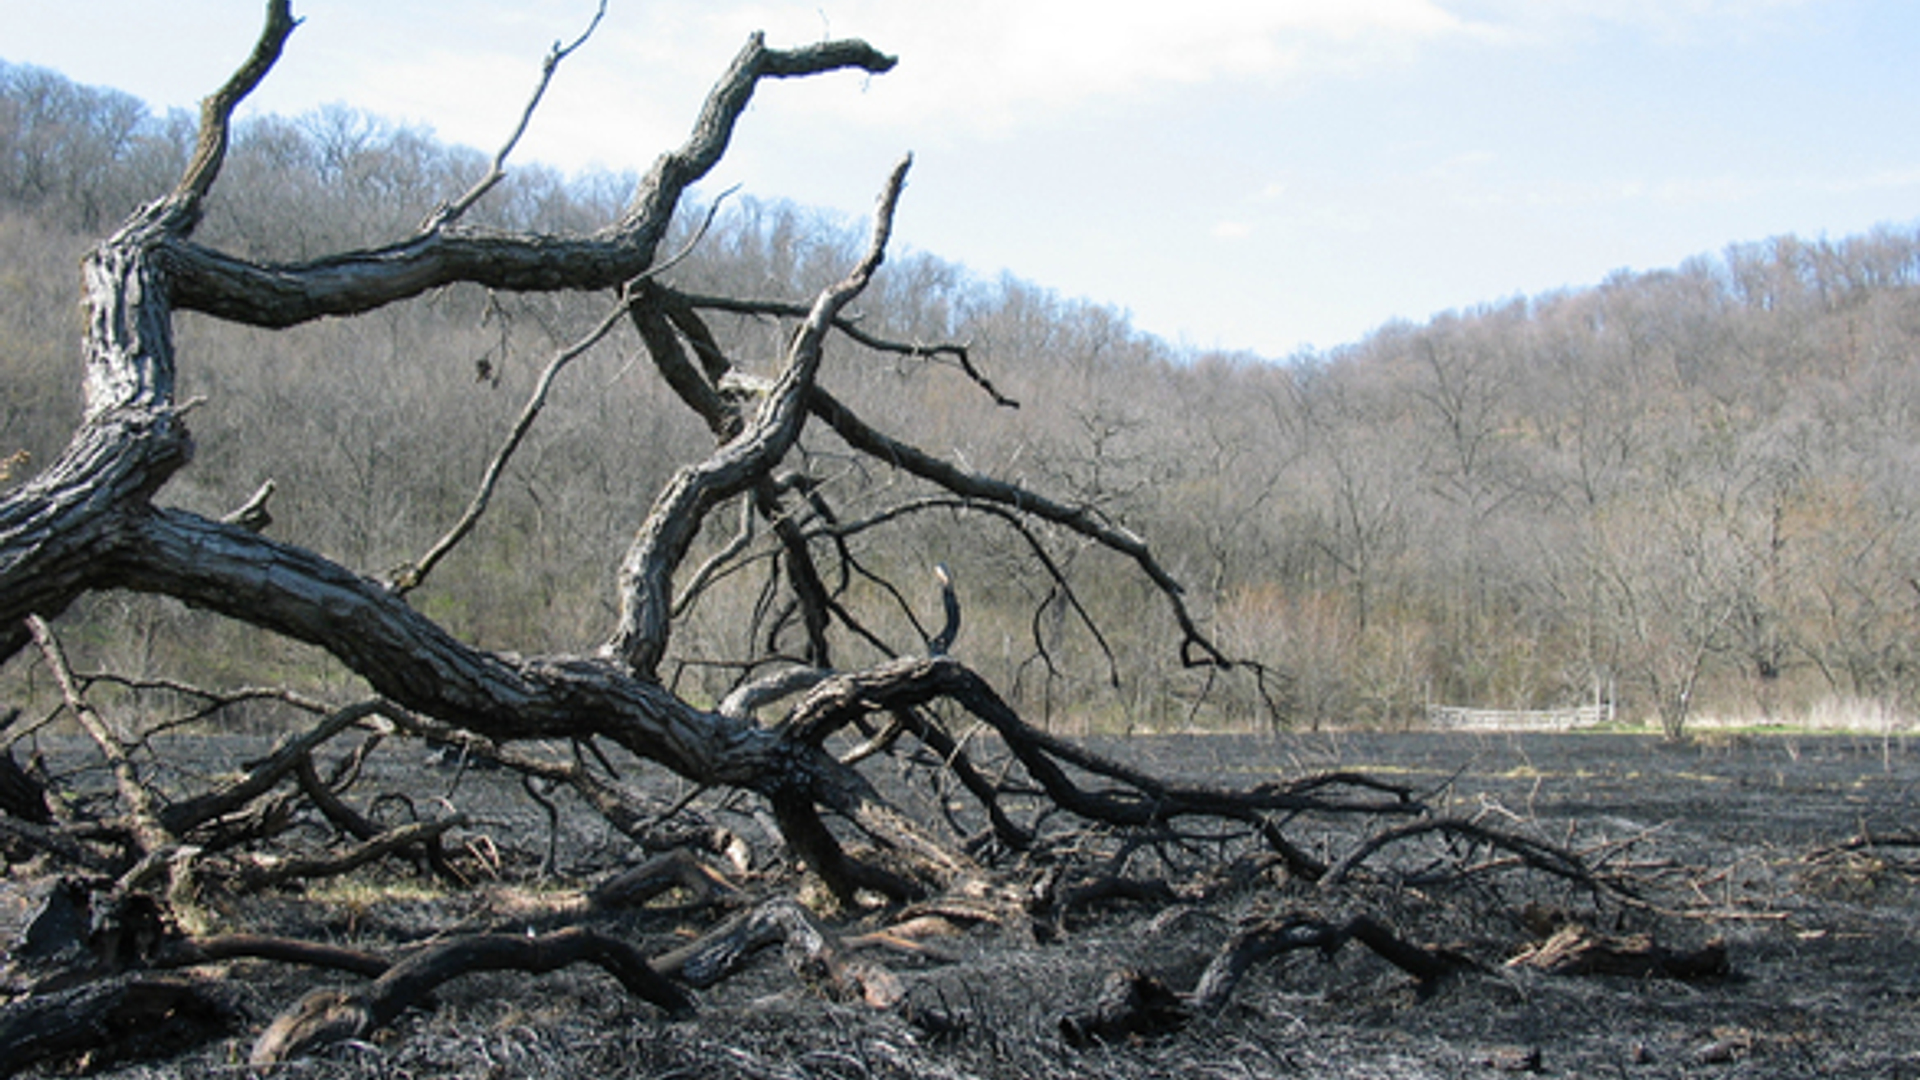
column 1255, row 176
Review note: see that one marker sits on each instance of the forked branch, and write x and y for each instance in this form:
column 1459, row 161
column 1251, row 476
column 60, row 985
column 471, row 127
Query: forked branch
column 646, row 574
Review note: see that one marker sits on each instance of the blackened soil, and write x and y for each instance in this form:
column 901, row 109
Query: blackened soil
column 1746, row 840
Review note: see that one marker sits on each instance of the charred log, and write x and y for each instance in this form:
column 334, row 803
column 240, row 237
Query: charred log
column 129, row 1017
column 22, row 794
column 1132, row 1005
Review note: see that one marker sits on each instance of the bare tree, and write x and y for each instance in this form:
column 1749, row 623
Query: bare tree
column 828, row 664
column 90, row 522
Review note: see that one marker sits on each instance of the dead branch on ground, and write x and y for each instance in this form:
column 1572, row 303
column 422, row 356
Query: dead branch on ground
column 330, row 1016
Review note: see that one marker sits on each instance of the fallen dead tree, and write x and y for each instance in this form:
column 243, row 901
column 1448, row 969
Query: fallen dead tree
column 1023, row 827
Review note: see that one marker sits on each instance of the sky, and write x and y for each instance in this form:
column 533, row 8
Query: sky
column 1260, row 176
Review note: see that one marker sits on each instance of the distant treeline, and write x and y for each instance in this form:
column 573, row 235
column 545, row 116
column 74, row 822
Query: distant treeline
column 1694, row 490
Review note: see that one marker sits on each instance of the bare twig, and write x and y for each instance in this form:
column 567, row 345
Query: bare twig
column 151, row 836
column 212, row 702
column 1061, row 584
column 448, row 213
column 711, row 568
column 253, row 514
column 408, row 578
column 1195, row 647
column 961, row 354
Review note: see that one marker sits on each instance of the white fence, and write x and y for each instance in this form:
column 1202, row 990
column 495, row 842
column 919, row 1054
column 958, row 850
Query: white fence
column 1455, row 718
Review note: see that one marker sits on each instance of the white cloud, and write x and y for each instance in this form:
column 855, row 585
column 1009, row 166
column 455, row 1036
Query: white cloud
column 1001, row 64
column 629, row 92
column 968, row 67
column 1673, row 20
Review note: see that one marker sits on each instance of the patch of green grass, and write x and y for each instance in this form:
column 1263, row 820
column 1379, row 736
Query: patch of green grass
column 363, row 893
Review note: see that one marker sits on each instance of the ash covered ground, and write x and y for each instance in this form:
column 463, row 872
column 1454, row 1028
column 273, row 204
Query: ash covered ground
column 1797, row 852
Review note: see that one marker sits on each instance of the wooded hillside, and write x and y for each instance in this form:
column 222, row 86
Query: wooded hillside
column 1694, row 486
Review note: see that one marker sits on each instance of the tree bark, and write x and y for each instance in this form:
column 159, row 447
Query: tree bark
column 129, row 1016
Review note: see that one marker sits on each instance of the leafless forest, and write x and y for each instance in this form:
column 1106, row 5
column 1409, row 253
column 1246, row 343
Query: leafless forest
column 1695, row 486
column 773, row 577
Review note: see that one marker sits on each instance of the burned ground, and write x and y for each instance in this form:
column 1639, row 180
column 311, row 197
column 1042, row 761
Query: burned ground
column 1793, row 851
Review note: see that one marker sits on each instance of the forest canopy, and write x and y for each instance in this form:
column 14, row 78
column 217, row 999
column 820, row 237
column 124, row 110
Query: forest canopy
column 1691, row 490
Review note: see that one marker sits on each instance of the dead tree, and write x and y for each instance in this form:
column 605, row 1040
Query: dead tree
column 91, row 522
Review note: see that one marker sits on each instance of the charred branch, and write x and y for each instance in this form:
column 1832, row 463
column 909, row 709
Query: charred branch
column 65, row 844
column 1534, row 854
column 186, row 815
column 22, row 795
column 1576, row 950
column 813, row 953
column 1138, row 799
column 661, row 874
column 331, row 1016
column 646, row 573
column 193, row 952
column 1135, row 1005
column 127, row 1017
column 1277, row 937
column 277, row 296
column 401, row 839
